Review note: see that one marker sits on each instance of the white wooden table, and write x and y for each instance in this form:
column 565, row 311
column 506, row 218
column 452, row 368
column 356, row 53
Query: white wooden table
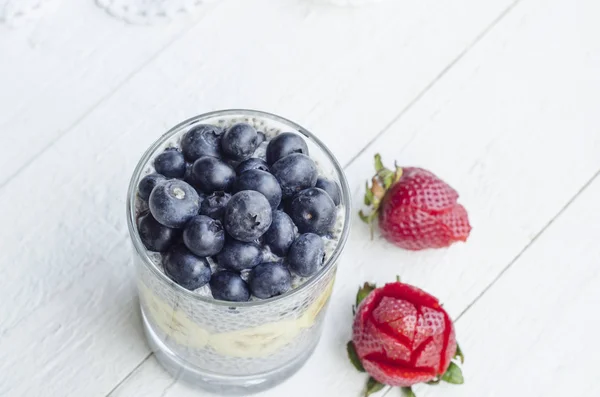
column 501, row 98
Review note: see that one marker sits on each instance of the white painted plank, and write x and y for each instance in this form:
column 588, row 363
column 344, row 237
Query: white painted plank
column 515, row 134
column 321, row 65
column 66, row 280
column 55, row 69
column 534, row 332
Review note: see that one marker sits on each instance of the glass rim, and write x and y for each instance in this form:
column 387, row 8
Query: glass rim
column 141, row 249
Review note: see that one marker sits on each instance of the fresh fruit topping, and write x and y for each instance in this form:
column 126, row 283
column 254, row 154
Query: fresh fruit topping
column 214, row 205
column 416, row 209
column 202, row 140
column 156, row 237
column 306, row 254
column 239, row 142
column 281, row 234
column 204, row 236
column 170, row 163
column 247, row 215
column 185, row 268
column 216, row 198
column 270, row 279
column 211, row 174
column 148, row 183
column 252, row 164
column 285, row 144
column 238, row 256
column 331, row 188
column 295, row 172
column 313, row 211
column 229, row 286
column 173, row 203
column 262, row 182
column 402, row 336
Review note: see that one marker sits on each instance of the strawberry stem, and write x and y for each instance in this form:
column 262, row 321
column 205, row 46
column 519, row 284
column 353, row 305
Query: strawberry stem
column 378, row 164
column 459, row 354
column 380, row 183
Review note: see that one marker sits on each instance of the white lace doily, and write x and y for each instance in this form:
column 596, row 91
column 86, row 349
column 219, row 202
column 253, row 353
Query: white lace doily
column 14, row 11
column 149, row 11
column 347, row 2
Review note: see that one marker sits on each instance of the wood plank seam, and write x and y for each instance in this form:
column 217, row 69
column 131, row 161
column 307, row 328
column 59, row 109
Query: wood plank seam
column 393, row 121
column 101, row 100
column 129, row 374
column 533, row 240
column 437, row 78
column 516, row 258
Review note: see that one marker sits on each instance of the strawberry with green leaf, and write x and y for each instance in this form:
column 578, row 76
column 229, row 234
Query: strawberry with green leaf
column 415, row 209
column 402, row 336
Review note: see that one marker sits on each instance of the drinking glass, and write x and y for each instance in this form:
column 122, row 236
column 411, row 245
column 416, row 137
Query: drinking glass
column 234, row 347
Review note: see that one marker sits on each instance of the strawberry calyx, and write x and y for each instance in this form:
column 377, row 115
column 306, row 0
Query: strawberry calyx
column 362, row 293
column 452, row 375
column 383, row 179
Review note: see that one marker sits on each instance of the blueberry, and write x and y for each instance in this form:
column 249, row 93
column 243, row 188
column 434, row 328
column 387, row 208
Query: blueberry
column 214, row 205
column 261, row 137
column 173, row 203
column 204, row 236
column 147, row 184
column 156, row 237
column 189, row 174
column 252, row 164
column 239, row 142
column 306, row 254
column 262, row 182
column 229, row 286
column 295, row 172
column 238, row 256
column 202, row 140
column 211, row 174
column 170, row 163
column 185, row 268
column 270, row 279
column 281, row 234
column 247, row 216
column 331, row 188
column 313, row 211
column 285, row 144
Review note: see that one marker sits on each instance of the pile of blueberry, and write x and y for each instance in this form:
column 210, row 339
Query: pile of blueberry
column 212, row 197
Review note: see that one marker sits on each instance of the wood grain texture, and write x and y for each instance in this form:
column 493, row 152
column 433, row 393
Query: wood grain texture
column 68, row 313
column 533, row 333
column 493, row 127
column 321, row 65
column 55, row 69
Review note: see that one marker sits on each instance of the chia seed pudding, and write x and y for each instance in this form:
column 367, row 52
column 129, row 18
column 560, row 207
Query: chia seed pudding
column 225, row 323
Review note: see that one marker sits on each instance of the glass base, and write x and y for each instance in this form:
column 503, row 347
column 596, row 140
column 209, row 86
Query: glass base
column 219, row 383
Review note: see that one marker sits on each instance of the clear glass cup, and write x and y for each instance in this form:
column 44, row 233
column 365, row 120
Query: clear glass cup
column 227, row 347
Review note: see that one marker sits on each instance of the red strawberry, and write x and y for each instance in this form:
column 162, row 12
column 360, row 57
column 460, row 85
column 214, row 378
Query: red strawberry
column 402, row 336
column 416, row 209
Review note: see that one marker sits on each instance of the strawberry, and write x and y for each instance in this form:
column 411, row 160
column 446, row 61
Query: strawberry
column 402, row 336
column 416, row 209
